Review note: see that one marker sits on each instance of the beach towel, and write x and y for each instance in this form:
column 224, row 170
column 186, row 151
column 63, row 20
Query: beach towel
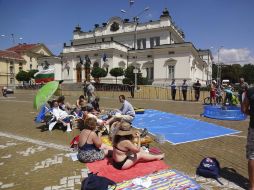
column 163, row 180
column 105, row 168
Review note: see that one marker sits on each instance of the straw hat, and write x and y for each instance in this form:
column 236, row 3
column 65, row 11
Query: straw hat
column 125, row 129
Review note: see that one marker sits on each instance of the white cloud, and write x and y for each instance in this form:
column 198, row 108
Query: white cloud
column 234, row 56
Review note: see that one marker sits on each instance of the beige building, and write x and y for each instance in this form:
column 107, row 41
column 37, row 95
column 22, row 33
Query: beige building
column 157, row 49
column 21, row 57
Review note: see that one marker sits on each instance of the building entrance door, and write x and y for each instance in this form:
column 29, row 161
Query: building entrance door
column 79, row 73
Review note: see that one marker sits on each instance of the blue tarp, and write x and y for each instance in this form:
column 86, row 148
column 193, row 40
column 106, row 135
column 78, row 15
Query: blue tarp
column 178, row 129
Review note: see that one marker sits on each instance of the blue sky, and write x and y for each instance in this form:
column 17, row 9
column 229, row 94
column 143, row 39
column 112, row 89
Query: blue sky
column 208, row 24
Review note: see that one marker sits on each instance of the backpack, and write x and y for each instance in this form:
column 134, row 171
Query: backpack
column 94, row 182
column 209, row 168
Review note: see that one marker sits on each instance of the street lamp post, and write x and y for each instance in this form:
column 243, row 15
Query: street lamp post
column 219, row 68
column 135, row 71
column 13, row 38
column 135, row 19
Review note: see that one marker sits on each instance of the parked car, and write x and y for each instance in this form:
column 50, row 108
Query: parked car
column 10, row 91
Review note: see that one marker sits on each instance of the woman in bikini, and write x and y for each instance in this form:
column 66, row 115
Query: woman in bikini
column 125, row 153
column 90, row 144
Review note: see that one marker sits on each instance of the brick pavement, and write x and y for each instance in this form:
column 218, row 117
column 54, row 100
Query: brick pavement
column 36, row 159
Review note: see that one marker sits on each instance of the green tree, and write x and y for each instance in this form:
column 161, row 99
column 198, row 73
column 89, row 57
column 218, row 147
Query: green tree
column 116, row 72
column 98, row 72
column 130, row 76
column 22, row 76
column 31, row 73
column 214, row 71
column 248, row 73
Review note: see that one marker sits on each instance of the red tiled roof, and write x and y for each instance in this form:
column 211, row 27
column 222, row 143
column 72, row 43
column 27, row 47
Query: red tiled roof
column 11, row 55
column 22, row 47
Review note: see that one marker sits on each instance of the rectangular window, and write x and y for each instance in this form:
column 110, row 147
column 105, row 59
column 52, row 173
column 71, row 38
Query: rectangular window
column 141, row 43
column 171, row 71
column 11, row 69
column 154, row 41
column 149, row 72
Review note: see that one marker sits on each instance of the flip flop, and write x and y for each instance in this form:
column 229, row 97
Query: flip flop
column 144, row 133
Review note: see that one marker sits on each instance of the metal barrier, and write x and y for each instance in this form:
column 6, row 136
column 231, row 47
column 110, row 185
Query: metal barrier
column 143, row 92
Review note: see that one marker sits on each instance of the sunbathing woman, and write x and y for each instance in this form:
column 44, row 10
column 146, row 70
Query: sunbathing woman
column 125, row 153
column 81, row 102
column 90, row 144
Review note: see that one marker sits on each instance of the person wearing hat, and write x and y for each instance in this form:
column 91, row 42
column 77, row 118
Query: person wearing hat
column 184, row 89
column 125, row 152
column 90, row 145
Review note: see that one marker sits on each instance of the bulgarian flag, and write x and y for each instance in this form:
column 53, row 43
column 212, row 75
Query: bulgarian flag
column 44, row 76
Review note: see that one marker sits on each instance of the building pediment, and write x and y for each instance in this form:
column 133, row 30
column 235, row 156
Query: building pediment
column 170, row 61
column 114, row 24
column 147, row 64
column 115, row 19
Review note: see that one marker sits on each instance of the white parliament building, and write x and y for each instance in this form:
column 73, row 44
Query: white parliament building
column 156, row 48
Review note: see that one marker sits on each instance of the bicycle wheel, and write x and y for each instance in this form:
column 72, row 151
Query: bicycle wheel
column 207, row 101
column 219, row 100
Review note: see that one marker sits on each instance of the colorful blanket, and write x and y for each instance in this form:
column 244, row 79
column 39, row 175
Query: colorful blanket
column 105, row 168
column 163, row 180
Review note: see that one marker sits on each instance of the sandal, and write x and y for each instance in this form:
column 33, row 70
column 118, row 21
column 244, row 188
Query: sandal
column 144, row 133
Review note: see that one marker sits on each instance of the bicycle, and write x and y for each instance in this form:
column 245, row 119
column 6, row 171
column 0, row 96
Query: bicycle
column 218, row 99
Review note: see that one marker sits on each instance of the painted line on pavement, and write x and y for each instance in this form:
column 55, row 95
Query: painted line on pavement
column 16, row 101
column 38, row 142
column 238, row 136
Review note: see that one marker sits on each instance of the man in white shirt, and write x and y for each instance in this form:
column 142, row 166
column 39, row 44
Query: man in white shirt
column 60, row 115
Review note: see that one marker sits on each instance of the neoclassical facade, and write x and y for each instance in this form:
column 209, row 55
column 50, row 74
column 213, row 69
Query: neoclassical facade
column 156, row 48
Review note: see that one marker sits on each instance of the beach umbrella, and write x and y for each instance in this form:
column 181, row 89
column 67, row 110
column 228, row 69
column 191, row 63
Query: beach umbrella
column 45, row 93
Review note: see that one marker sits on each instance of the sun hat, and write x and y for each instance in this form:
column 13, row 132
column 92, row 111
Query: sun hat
column 125, row 129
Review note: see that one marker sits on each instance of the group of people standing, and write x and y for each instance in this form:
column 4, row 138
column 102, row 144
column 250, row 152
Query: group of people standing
column 215, row 90
column 184, row 88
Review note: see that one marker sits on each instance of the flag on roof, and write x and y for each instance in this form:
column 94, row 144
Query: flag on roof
column 44, row 76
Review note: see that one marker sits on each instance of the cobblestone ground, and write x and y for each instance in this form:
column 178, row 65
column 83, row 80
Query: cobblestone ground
column 31, row 157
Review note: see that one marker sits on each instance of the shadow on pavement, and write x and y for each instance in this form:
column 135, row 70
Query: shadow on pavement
column 231, row 175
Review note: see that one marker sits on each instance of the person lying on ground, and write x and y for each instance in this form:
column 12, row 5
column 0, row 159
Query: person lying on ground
column 88, row 112
column 81, row 102
column 125, row 152
column 96, row 105
column 90, row 145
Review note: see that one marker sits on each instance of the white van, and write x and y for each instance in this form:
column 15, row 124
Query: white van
column 225, row 82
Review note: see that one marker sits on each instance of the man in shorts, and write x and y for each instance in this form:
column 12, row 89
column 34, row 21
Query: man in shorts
column 248, row 108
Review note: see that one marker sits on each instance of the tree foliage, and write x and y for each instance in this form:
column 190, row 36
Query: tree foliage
column 22, row 76
column 98, row 72
column 234, row 72
column 130, row 76
column 116, row 72
column 31, row 73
